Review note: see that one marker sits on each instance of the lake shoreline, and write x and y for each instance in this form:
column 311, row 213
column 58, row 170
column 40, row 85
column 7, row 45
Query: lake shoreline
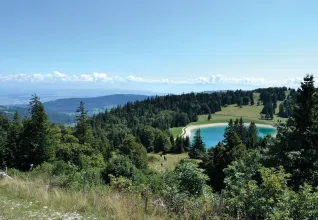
column 188, row 129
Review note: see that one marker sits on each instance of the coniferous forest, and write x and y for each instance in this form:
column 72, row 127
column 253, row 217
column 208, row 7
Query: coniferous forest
column 242, row 177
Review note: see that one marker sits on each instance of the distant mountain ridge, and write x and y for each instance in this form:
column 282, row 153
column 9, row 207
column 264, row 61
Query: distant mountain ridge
column 62, row 111
column 92, row 105
column 56, row 117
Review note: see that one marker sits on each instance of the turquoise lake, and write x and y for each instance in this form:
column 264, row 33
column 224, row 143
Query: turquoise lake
column 212, row 135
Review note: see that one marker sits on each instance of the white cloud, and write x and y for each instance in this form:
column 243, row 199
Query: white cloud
column 60, row 76
column 105, row 78
column 134, row 79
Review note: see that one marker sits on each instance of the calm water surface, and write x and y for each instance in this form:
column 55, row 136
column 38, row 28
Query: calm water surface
column 212, row 135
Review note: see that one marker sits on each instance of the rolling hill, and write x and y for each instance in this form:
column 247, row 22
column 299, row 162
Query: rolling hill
column 62, row 111
column 56, row 117
column 92, row 105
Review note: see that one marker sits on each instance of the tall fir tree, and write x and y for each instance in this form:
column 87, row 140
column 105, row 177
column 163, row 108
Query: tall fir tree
column 4, row 126
column 228, row 132
column 186, row 144
column 13, row 151
column 198, row 147
column 252, row 98
column 179, row 145
column 242, row 132
column 82, row 127
column 34, row 135
column 252, row 136
column 305, row 137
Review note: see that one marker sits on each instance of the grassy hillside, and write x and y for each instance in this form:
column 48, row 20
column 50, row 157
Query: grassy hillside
column 93, row 105
column 248, row 113
column 21, row 199
column 155, row 161
column 176, row 131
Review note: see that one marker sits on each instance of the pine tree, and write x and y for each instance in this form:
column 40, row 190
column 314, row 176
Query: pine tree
column 13, row 153
column 252, row 138
column 172, row 140
column 252, row 98
column 81, row 123
column 305, row 103
column 198, row 147
column 179, row 148
column 305, row 137
column 34, row 135
column 228, row 131
column 274, row 102
column 242, row 132
column 239, row 102
column 134, row 151
column 186, row 144
column 4, row 126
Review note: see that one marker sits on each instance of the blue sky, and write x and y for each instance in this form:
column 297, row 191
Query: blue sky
column 164, row 46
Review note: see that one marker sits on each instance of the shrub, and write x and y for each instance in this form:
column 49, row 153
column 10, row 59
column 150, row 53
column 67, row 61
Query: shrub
column 190, row 178
column 120, row 165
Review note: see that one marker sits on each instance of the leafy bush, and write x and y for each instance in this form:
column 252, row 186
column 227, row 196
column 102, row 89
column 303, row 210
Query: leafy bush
column 190, row 178
column 120, row 165
column 135, row 152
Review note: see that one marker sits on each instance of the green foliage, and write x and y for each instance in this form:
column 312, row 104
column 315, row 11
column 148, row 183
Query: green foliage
column 286, row 108
column 180, row 145
column 239, row 102
column 82, row 127
column 34, row 136
column 197, row 149
column 190, row 178
column 67, row 175
column 121, row 166
column 11, row 150
column 135, row 152
column 252, row 136
column 94, row 161
column 162, row 143
column 296, row 143
column 249, row 200
column 146, row 135
column 120, row 183
column 252, row 98
column 72, row 152
column 219, row 157
column 246, row 100
column 240, row 186
column 305, row 203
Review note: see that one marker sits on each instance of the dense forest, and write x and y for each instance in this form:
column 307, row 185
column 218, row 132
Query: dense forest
column 243, row 177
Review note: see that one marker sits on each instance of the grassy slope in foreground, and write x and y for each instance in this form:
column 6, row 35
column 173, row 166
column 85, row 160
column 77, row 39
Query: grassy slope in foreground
column 21, row 199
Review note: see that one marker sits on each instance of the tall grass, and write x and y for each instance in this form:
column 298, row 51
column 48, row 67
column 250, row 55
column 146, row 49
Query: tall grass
column 102, row 203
